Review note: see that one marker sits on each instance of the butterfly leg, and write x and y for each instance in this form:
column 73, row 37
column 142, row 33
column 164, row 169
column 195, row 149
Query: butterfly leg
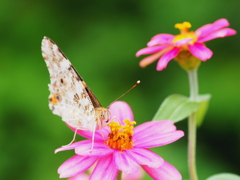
column 115, row 117
column 74, row 138
column 93, row 136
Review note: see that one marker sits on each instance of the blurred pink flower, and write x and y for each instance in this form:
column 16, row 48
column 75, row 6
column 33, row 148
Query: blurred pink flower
column 121, row 147
column 81, row 176
column 131, row 176
column 167, row 46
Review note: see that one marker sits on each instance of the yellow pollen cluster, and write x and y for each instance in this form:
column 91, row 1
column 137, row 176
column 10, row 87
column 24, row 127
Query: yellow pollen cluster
column 120, row 137
column 183, row 26
column 184, row 33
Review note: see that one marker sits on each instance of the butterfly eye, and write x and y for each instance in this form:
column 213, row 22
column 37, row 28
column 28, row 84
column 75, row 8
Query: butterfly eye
column 102, row 115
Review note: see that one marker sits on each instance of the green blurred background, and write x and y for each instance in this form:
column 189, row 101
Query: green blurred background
column 101, row 39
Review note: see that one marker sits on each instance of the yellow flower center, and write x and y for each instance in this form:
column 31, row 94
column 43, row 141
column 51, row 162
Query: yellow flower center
column 120, row 137
column 184, row 33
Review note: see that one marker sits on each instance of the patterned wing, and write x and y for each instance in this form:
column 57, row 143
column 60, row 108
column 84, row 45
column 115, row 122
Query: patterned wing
column 69, row 97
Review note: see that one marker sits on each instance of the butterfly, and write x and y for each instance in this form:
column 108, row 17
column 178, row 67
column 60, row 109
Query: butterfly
column 70, row 97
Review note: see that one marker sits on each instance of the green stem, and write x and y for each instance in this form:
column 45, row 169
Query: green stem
column 193, row 81
column 119, row 177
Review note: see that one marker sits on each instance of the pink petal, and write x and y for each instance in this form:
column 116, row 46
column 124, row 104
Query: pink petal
column 121, row 110
column 183, row 41
column 146, row 157
column 105, row 169
column 209, row 28
column 218, row 34
column 162, row 63
column 124, row 162
column 150, row 50
column 166, row 172
column 161, row 39
column 157, row 140
column 103, row 133
column 81, row 176
column 200, row 51
column 67, row 147
column 150, row 59
column 100, row 149
column 133, row 176
column 75, row 165
column 153, row 127
column 165, row 37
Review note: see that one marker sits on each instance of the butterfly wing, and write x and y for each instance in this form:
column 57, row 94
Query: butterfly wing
column 69, row 97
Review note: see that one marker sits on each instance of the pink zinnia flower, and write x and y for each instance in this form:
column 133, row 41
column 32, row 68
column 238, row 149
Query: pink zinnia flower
column 168, row 46
column 121, row 147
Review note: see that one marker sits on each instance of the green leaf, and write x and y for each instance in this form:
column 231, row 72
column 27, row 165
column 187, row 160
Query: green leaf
column 201, row 112
column 224, row 176
column 176, row 108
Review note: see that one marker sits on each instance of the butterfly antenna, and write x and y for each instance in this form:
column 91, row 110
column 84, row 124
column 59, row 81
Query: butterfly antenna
column 137, row 83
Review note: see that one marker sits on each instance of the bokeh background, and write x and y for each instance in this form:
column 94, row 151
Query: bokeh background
column 101, row 39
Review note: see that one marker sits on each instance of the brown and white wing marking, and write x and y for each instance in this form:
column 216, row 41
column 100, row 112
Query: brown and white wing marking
column 69, row 95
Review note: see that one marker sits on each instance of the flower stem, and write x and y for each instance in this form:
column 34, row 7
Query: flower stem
column 119, row 177
column 193, row 82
